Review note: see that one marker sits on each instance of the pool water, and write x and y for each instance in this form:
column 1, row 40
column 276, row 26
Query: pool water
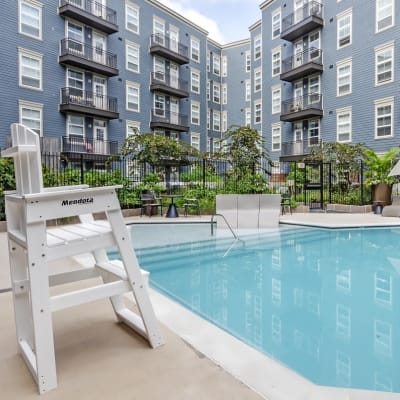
column 324, row 302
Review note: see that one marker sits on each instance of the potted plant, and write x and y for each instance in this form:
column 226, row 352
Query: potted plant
column 377, row 174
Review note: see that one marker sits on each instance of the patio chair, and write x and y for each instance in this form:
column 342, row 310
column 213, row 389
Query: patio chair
column 286, row 203
column 191, row 204
column 149, row 203
column 33, row 246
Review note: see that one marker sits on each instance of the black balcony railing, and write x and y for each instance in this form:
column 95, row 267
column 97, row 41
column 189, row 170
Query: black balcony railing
column 93, row 7
column 299, row 148
column 160, row 78
column 78, row 144
column 310, row 55
column 87, row 52
column 77, row 97
column 302, row 103
column 167, row 117
column 302, row 20
column 167, row 43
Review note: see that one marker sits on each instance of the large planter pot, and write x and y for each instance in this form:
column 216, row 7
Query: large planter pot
column 382, row 194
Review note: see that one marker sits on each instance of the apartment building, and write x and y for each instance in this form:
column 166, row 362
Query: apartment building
column 85, row 74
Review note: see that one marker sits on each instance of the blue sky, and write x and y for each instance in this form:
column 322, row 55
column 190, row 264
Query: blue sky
column 225, row 20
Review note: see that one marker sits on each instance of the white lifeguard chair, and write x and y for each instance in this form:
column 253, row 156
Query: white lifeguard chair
column 32, row 245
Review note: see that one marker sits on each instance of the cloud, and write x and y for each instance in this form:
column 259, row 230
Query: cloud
column 184, row 8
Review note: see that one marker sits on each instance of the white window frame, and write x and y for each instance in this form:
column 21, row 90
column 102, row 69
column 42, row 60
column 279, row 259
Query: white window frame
column 195, row 82
column 195, row 140
column 247, row 61
column 208, row 94
column 135, row 86
column 224, row 93
column 340, row 17
column 387, row 47
column 35, row 5
column 276, row 30
column 257, row 46
column 380, row 104
column 135, row 49
column 195, row 113
column 224, row 62
column 344, row 127
column 208, row 118
column 216, row 126
column 68, row 124
column 258, row 112
column 341, row 65
column 216, row 64
column 278, row 60
column 276, row 137
column 132, row 18
column 216, row 93
column 247, row 116
column 276, row 99
column 311, row 139
column 257, row 80
column 224, row 121
column 135, row 125
column 30, row 106
column 195, row 49
column 247, row 90
column 379, row 18
column 157, row 31
column 159, row 104
column 37, row 57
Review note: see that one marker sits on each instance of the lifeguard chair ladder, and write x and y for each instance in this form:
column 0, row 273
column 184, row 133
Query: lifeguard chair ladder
column 32, row 246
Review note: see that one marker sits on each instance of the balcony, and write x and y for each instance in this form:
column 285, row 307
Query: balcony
column 171, row 49
column 306, row 63
column 167, row 84
column 302, row 21
column 78, row 144
column 161, row 119
column 294, row 151
column 303, row 107
column 88, row 57
column 90, row 12
column 89, row 103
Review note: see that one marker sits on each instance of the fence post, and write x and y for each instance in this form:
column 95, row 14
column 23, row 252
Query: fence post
column 361, row 182
column 82, row 180
column 204, row 174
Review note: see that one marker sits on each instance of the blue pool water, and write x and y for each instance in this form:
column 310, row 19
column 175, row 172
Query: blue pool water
column 326, row 303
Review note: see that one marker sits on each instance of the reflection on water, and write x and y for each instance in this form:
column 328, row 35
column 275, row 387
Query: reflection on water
column 326, row 303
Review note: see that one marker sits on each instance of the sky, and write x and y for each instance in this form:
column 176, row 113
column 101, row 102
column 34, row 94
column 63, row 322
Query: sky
column 225, row 20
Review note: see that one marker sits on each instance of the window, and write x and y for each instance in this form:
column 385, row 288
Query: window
column 30, row 115
column 384, row 56
column 195, row 49
column 159, row 31
column 132, row 128
column 248, row 90
column 343, row 125
column 75, row 81
column 75, row 36
column 208, row 118
column 384, row 14
column 276, row 24
column 383, row 287
column 208, row 61
column 276, row 100
column 30, row 69
column 30, row 18
column 384, row 118
column 224, row 66
column 314, row 89
column 195, row 81
column 216, row 64
column 344, row 77
column 257, row 112
column 257, row 47
column 276, row 137
column 132, row 57
column 159, row 105
column 132, row 18
column 257, row 80
column 247, row 117
column 313, row 131
column 216, row 121
column 133, row 96
column 208, row 90
column 248, row 61
column 195, row 140
column 276, row 61
column 344, row 29
column 76, row 127
column 216, row 93
column 224, row 94
column 195, row 112
column 224, row 121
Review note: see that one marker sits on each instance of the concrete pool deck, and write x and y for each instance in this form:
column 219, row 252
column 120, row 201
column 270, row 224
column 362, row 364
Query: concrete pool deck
column 98, row 359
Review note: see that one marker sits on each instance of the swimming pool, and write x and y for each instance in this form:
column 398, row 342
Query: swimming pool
column 323, row 302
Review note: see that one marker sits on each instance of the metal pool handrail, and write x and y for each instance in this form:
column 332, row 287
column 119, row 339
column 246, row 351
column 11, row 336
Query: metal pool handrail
column 227, row 223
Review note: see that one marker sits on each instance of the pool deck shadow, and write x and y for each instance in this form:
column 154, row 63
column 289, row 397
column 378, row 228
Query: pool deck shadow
column 97, row 358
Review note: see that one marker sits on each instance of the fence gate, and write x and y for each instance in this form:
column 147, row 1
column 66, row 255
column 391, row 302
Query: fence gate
column 314, row 185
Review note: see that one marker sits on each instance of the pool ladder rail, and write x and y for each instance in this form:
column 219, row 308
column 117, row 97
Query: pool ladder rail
column 237, row 238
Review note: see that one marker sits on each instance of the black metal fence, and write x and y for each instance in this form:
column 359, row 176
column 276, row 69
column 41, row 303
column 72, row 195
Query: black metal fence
column 312, row 184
